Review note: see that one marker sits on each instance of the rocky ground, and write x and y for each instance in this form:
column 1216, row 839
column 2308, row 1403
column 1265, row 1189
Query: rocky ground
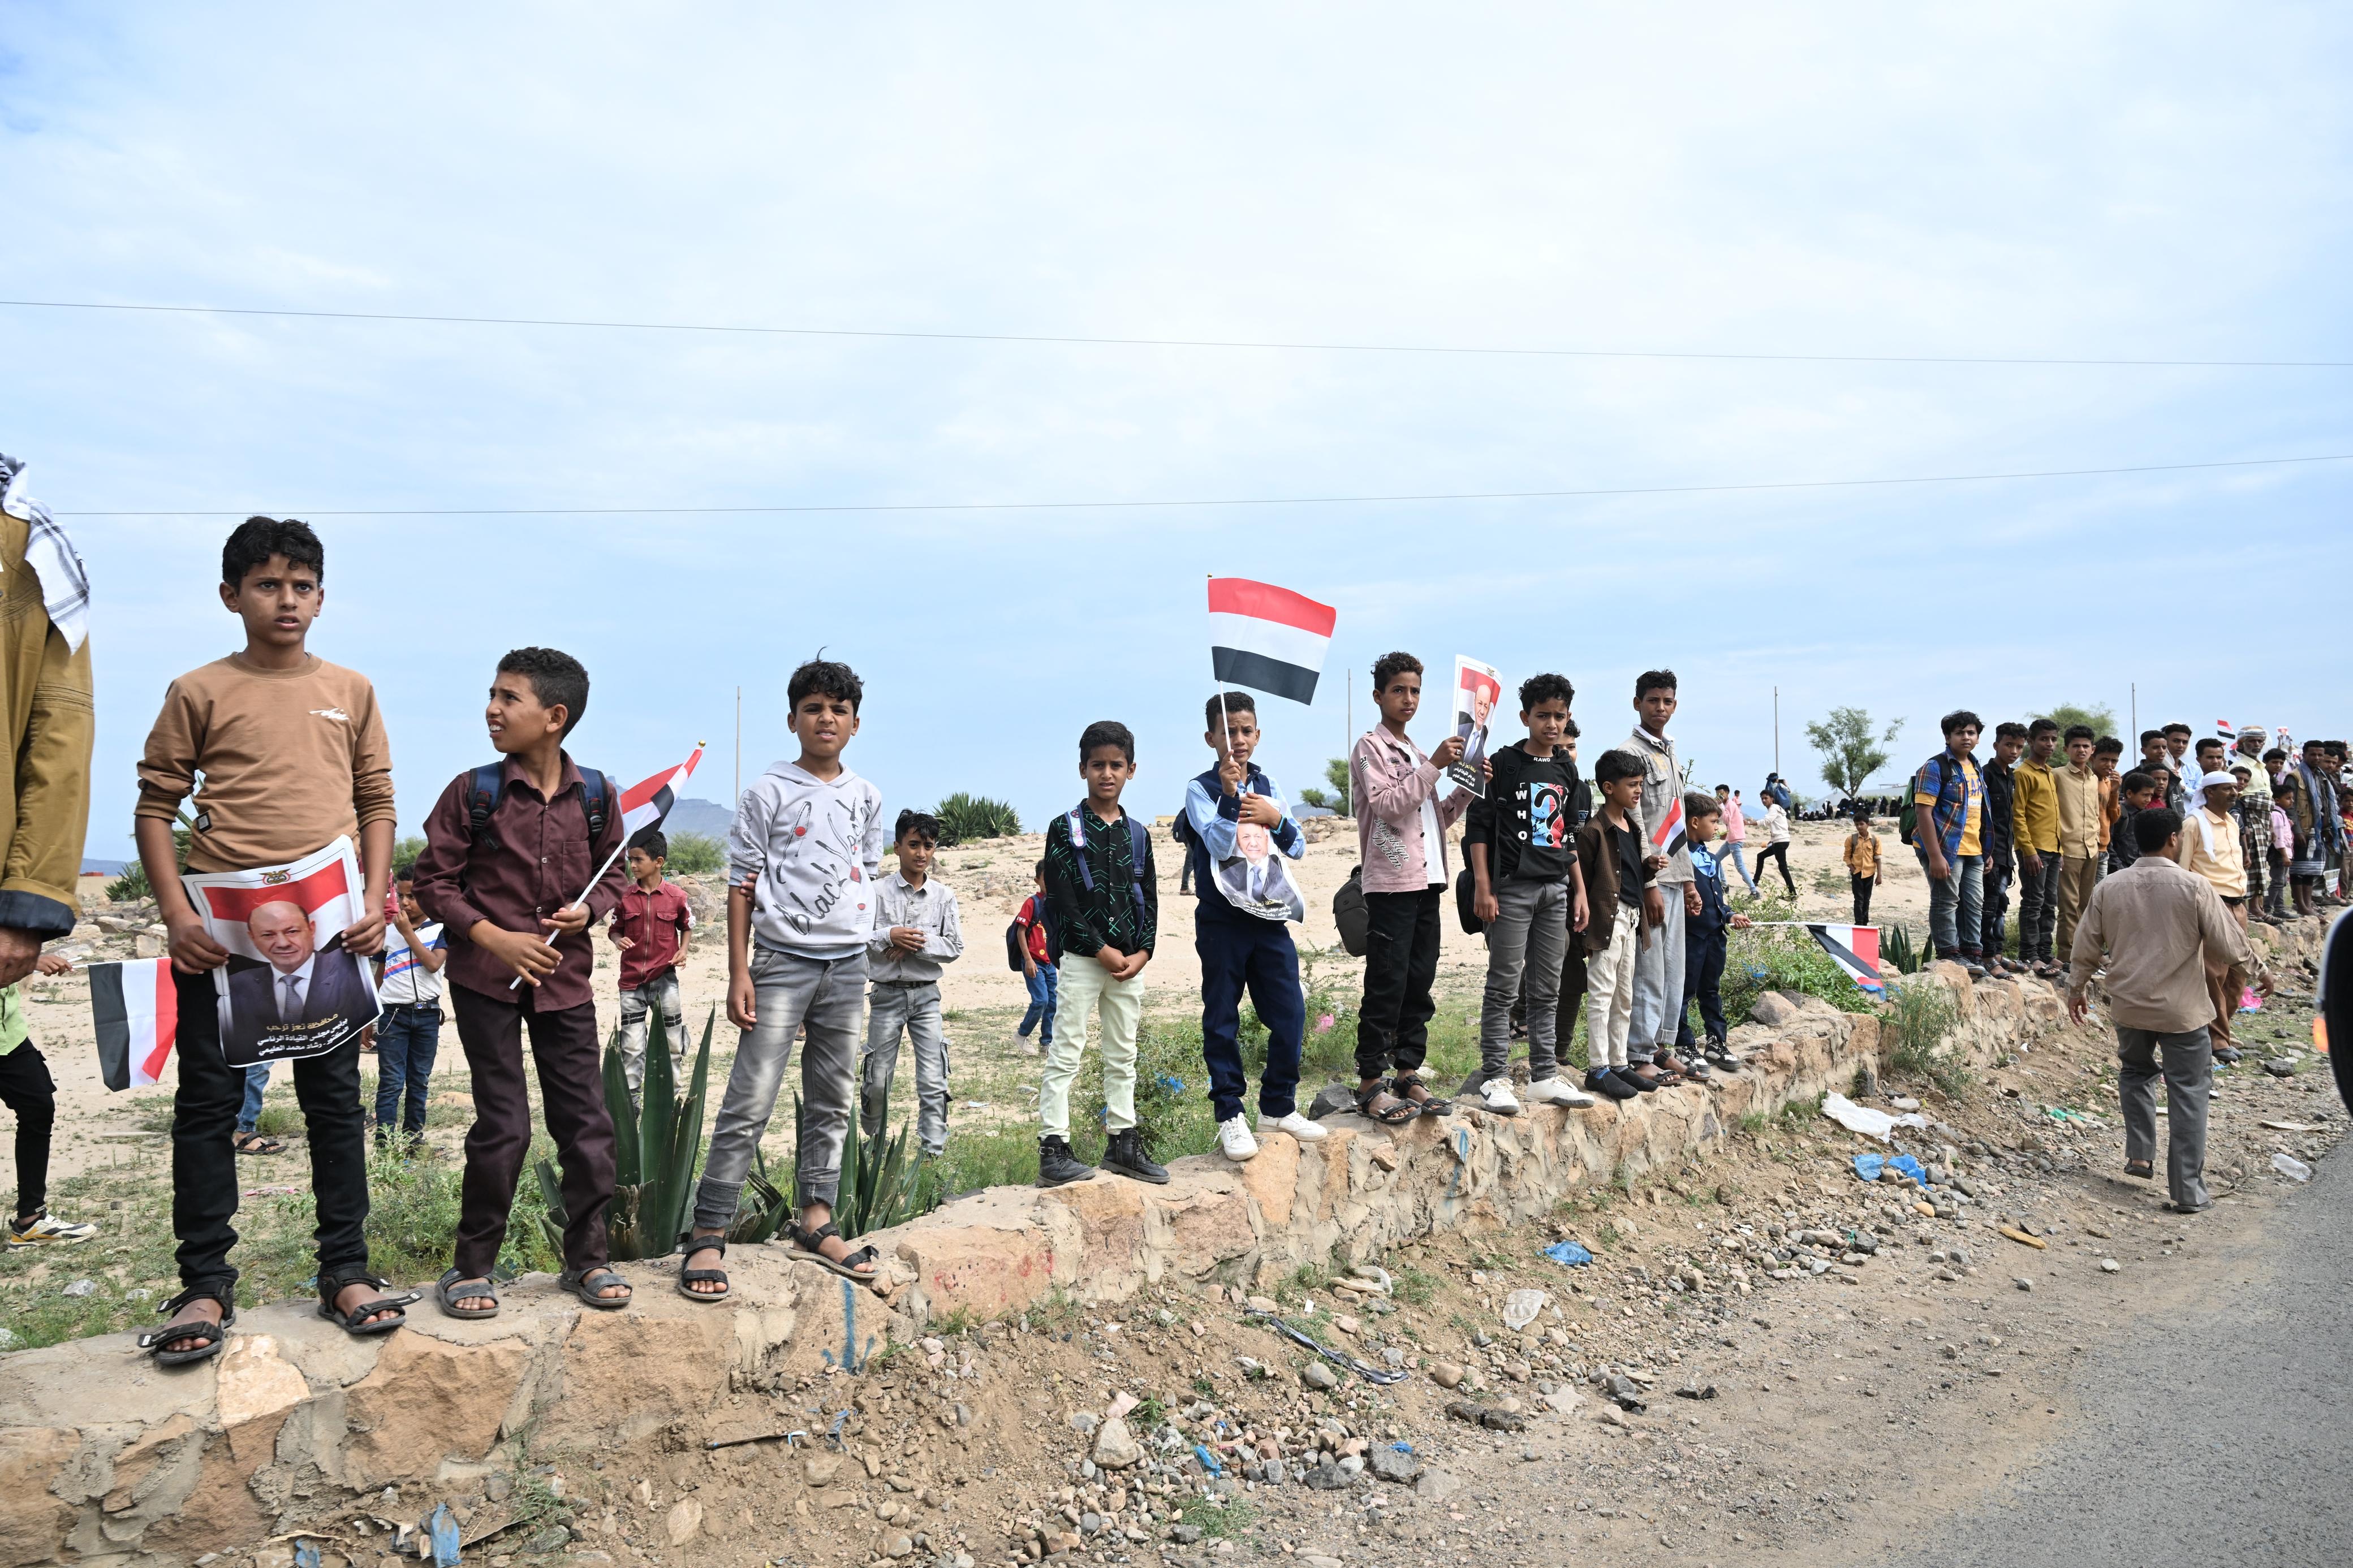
column 1768, row 1359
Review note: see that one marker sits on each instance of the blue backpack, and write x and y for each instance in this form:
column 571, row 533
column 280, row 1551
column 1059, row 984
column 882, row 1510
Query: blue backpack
column 482, row 799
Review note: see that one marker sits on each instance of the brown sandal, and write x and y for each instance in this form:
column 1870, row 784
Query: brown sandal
column 1403, row 1084
column 1374, row 1100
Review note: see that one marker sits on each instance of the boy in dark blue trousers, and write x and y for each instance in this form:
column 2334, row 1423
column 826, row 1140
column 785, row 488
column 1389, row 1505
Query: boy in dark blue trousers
column 1237, row 834
column 1706, row 933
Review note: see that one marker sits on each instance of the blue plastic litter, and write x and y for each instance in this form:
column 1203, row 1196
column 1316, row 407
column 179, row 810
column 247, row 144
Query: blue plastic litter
column 1209, row 1460
column 1869, row 1166
column 1569, row 1253
column 306, row 1554
column 1402, row 1447
column 1172, row 1084
column 442, row 1529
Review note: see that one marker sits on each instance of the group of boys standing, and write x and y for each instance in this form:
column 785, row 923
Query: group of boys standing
column 1609, row 890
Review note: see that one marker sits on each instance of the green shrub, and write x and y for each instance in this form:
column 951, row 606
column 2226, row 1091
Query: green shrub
column 1896, row 945
column 695, row 854
column 130, row 886
column 1785, row 958
column 1918, row 1019
column 405, row 853
column 1172, row 1094
column 965, row 817
column 656, row 1149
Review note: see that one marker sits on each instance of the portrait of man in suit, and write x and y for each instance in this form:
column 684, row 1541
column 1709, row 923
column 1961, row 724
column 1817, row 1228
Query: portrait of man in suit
column 298, row 989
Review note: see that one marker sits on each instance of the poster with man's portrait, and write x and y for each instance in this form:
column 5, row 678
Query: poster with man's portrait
column 288, row 988
column 1477, row 689
column 1256, row 878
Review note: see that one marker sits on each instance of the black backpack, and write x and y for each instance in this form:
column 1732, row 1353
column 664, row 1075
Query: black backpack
column 1349, row 913
column 1466, row 901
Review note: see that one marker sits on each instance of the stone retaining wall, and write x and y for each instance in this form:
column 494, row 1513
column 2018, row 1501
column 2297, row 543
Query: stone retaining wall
column 106, row 1458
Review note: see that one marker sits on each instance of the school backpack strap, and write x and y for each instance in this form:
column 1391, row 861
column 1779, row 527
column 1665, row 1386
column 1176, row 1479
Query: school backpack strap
column 1139, row 845
column 596, row 796
column 482, row 789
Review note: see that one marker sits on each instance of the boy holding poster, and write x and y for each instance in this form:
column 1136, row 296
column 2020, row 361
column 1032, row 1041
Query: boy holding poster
column 507, row 848
column 294, row 757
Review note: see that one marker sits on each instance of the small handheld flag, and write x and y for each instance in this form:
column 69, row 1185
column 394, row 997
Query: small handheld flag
column 1268, row 638
column 2228, row 729
column 136, row 1006
column 1669, row 836
column 1854, row 949
column 643, row 804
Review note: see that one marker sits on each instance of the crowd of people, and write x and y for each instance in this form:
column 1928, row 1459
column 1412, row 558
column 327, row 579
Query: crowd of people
column 1605, row 892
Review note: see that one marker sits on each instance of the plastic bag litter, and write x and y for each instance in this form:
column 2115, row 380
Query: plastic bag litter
column 1870, row 1166
column 1569, row 1254
column 1869, row 1123
column 1521, row 1307
column 2293, row 1169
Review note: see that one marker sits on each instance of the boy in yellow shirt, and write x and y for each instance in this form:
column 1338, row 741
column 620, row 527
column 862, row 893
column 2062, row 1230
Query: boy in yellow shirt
column 1862, row 867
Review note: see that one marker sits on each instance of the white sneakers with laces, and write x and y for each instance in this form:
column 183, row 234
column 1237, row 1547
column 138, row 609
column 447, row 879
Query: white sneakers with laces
column 1298, row 1126
column 45, row 1229
column 1234, row 1138
column 1497, row 1093
column 1558, row 1091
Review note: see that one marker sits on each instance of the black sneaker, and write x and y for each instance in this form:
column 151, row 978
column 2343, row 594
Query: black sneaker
column 1125, row 1157
column 1057, row 1165
column 1601, row 1080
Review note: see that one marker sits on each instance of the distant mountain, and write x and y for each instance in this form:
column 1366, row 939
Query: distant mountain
column 704, row 816
column 90, row 867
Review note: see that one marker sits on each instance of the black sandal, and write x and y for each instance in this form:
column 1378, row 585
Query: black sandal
column 450, row 1295
column 588, row 1282
column 689, row 1278
column 2141, row 1170
column 810, row 1242
column 1404, row 1083
column 356, row 1321
column 257, row 1143
column 1399, row 1111
column 213, row 1335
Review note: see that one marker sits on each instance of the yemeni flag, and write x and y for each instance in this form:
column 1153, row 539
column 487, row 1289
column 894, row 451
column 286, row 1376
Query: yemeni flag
column 2228, row 729
column 1669, row 836
column 1268, row 638
column 1854, row 949
column 647, row 804
column 136, row 1006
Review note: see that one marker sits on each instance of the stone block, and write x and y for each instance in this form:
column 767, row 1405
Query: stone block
column 32, row 1519
column 1273, row 1179
column 626, row 1374
column 429, row 1400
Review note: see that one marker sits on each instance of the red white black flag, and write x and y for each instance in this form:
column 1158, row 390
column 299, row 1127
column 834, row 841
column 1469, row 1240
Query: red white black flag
column 647, row 804
column 1669, row 836
column 1854, row 949
column 1268, row 638
column 136, row 1006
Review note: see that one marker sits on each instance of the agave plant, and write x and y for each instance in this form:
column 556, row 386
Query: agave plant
column 881, row 1185
column 1900, row 951
column 964, row 817
column 656, row 1149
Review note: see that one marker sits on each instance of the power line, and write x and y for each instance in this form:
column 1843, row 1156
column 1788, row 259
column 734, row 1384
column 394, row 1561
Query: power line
column 1242, row 500
column 1186, row 343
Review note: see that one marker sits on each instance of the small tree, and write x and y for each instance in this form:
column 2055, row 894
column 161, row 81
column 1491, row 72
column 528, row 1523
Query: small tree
column 2067, row 715
column 1335, row 800
column 1852, row 751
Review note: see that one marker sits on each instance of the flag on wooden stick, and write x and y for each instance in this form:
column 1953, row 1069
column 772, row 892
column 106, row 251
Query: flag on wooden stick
column 1268, row 638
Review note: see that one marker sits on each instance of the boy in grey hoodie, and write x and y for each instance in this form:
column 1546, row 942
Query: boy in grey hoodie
column 802, row 860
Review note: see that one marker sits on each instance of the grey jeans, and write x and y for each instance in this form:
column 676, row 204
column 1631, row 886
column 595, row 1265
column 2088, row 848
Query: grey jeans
column 892, row 1008
column 789, row 989
column 1658, row 1009
column 658, row 995
column 1529, row 936
column 2188, row 1068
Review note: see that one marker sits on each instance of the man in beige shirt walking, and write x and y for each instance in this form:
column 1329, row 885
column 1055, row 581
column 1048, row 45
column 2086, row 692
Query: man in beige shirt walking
column 2161, row 928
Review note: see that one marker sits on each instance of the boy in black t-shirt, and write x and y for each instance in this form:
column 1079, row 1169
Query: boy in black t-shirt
column 1529, row 893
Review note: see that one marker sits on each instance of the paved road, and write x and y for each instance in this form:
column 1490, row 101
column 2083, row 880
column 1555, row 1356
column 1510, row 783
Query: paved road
column 2227, row 1443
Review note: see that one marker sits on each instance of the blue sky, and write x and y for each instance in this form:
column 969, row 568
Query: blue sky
column 2147, row 181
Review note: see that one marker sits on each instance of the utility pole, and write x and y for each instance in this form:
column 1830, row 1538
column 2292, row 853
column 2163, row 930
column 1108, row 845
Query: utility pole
column 735, row 803
column 1348, row 730
column 2136, row 714
column 1776, row 729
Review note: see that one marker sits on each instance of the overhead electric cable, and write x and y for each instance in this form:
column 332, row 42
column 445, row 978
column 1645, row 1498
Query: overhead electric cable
column 1239, row 501
column 2052, row 361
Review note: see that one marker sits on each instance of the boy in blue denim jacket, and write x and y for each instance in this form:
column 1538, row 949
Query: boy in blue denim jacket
column 1707, row 934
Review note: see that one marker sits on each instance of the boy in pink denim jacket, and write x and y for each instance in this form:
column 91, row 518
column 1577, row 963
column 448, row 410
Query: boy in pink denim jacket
column 1402, row 825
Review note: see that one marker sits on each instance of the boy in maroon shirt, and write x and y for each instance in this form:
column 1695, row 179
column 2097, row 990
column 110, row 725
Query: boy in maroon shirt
column 504, row 898
column 649, row 926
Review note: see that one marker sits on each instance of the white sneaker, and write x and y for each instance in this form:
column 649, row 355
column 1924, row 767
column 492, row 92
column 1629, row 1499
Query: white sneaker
column 1298, row 1126
column 1558, row 1091
column 1234, row 1138
column 45, row 1229
column 1497, row 1093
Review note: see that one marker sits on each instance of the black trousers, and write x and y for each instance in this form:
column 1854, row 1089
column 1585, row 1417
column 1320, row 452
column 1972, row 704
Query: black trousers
column 564, row 1045
column 203, row 1161
column 28, row 1090
column 1400, row 965
column 1862, row 886
column 2037, row 907
column 1780, row 855
column 1703, row 955
column 1995, row 906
